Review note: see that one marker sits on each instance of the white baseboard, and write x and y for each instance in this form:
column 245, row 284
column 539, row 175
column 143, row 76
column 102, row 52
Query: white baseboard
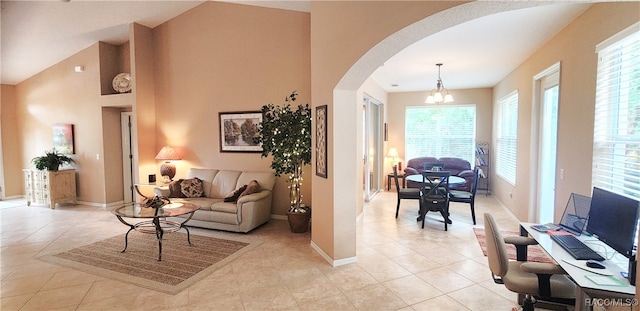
column 331, row 261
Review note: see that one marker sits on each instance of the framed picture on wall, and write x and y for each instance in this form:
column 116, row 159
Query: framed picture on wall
column 239, row 131
column 321, row 141
column 63, row 138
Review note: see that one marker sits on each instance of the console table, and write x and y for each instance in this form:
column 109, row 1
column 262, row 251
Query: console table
column 50, row 187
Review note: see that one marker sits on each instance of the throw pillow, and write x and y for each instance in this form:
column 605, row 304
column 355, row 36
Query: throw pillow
column 232, row 197
column 252, row 187
column 192, row 188
column 175, row 190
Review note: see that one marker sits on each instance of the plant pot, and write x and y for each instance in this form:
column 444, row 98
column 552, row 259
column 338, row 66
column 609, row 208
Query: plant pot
column 299, row 222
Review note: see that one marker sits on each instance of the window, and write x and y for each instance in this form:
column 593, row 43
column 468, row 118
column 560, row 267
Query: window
column 440, row 131
column 507, row 137
column 616, row 133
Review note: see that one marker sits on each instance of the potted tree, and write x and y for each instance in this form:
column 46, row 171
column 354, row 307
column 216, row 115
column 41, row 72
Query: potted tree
column 285, row 134
column 51, row 160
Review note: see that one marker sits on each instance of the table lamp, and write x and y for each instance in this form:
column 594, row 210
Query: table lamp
column 167, row 169
column 393, row 154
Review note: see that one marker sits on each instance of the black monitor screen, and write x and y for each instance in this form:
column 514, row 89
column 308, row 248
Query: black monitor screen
column 612, row 218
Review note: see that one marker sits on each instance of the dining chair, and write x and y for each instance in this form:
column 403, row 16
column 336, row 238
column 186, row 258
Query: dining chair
column 467, row 197
column 537, row 281
column 435, row 195
column 404, row 193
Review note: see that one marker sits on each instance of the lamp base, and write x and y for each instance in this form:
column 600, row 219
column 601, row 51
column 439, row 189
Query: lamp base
column 167, row 169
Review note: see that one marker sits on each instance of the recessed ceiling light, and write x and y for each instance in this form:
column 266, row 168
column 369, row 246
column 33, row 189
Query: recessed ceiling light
column 394, row 85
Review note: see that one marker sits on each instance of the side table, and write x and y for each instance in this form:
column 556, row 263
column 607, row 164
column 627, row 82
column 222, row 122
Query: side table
column 390, row 176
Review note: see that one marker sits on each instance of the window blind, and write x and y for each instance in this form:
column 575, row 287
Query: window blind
column 616, row 134
column 507, row 137
column 440, row 131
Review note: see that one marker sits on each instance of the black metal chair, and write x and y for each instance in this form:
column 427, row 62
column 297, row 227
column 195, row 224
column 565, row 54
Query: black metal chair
column 435, row 195
column 404, row 193
column 467, row 197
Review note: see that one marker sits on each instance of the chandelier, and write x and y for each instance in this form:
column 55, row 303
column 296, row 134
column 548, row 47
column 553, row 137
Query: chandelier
column 436, row 95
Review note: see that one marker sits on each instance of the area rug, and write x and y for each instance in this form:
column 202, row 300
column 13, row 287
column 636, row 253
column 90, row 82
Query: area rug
column 182, row 265
column 534, row 252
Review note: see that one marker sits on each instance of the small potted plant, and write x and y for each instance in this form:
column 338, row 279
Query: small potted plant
column 285, row 134
column 51, row 161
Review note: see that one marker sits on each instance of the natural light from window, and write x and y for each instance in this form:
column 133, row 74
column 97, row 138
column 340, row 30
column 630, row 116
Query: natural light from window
column 440, row 131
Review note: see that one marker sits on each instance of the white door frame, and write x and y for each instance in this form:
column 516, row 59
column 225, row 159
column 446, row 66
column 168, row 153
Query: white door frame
column 537, row 110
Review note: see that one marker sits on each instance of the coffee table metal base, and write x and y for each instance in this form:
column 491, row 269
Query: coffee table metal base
column 157, row 227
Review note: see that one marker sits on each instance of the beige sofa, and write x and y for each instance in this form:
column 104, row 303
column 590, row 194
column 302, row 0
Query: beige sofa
column 247, row 213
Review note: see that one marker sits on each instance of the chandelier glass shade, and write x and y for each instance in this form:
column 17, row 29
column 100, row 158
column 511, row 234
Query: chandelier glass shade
column 440, row 94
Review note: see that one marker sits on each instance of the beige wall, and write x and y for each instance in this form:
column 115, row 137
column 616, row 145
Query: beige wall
column 11, row 144
column 60, row 95
column 221, row 57
column 574, row 47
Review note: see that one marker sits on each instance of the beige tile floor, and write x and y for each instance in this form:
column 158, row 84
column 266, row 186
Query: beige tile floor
column 400, row 266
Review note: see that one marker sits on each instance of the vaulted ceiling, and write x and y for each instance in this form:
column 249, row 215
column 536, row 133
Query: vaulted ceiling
column 478, row 53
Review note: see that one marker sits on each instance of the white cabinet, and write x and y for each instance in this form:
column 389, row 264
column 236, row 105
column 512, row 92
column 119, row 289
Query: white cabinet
column 50, row 187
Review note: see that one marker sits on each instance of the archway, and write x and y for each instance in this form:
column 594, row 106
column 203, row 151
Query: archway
column 345, row 103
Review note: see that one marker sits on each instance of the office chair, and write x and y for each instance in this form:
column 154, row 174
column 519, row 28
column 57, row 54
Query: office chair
column 435, row 195
column 537, row 281
column 404, row 193
column 467, row 197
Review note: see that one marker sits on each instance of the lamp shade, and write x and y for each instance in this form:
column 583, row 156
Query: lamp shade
column 168, row 153
column 393, row 153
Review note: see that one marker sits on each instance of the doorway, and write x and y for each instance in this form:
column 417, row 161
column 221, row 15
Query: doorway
column 372, row 146
column 126, row 119
column 547, row 100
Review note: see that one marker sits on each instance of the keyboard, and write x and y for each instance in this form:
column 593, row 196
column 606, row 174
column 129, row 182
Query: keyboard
column 576, row 248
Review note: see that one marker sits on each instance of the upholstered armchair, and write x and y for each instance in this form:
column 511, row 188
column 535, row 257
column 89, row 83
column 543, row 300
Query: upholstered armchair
column 456, row 166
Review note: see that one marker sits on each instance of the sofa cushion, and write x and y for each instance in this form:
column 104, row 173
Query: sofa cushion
column 206, row 175
column 175, row 190
column 227, row 207
column 191, row 188
column 202, row 203
column 223, row 183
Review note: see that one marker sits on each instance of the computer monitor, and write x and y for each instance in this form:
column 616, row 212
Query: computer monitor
column 612, row 218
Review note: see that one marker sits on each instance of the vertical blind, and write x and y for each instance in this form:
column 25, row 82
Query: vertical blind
column 507, row 137
column 616, row 134
column 440, row 131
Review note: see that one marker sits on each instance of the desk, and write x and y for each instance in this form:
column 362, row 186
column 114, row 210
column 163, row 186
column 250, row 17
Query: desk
column 585, row 286
column 453, row 180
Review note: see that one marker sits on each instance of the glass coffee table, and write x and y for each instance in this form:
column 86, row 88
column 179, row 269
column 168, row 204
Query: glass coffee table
column 157, row 222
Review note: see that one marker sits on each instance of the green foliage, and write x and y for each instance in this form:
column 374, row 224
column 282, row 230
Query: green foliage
column 285, row 134
column 51, row 161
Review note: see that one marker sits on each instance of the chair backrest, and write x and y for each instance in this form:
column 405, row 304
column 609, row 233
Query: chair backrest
column 429, row 166
column 476, row 172
column 435, row 183
column 395, row 177
column 496, row 249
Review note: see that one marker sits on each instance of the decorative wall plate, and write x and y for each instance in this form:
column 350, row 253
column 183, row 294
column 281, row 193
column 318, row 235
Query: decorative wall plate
column 122, row 83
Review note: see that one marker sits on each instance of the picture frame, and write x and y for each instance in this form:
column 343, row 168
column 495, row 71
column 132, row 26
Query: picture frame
column 321, row 141
column 63, row 138
column 238, row 131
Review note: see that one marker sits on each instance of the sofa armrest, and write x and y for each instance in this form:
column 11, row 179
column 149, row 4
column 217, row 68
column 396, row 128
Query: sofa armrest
column 466, row 173
column 410, row 171
column 254, row 197
column 162, row 191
